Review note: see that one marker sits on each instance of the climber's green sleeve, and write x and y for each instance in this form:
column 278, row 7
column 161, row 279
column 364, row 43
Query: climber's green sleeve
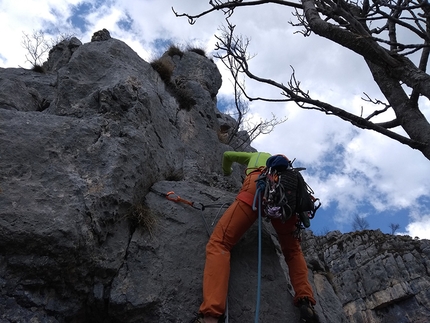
column 252, row 160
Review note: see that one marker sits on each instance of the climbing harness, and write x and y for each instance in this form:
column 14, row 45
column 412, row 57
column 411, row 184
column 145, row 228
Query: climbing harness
column 286, row 193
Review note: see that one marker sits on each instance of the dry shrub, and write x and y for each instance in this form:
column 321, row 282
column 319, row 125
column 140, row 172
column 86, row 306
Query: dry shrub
column 38, row 68
column 174, row 50
column 197, row 51
column 163, row 68
column 184, row 97
column 143, row 217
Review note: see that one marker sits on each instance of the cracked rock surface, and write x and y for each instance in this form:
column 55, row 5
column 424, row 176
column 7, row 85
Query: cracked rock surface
column 82, row 237
column 376, row 277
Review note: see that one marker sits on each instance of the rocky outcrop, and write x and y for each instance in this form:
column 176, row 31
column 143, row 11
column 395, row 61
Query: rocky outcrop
column 373, row 277
column 88, row 151
column 82, row 237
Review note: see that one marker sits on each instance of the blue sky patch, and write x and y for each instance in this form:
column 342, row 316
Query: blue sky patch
column 77, row 19
column 225, row 103
column 126, row 23
column 325, row 221
column 161, row 45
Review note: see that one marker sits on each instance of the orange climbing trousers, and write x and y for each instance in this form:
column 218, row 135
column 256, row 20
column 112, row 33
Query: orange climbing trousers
column 236, row 220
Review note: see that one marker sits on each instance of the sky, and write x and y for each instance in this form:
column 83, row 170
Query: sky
column 354, row 172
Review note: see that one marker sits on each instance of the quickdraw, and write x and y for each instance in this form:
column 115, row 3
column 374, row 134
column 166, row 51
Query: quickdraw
column 172, row 196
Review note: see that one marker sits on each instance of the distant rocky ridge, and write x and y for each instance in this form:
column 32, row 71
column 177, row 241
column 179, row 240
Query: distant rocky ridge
column 84, row 239
column 375, row 277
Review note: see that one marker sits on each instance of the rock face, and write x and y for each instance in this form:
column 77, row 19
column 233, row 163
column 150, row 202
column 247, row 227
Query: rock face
column 370, row 276
column 87, row 151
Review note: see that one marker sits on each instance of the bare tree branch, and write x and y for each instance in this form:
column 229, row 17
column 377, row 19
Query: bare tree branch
column 394, row 227
column 228, row 7
column 241, row 108
column 359, row 223
column 36, row 45
column 347, row 23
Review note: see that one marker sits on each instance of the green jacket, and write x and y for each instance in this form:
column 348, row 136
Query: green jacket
column 252, row 160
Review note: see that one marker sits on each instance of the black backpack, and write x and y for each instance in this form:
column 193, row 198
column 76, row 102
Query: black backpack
column 286, row 192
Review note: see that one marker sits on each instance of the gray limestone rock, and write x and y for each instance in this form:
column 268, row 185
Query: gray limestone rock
column 371, row 276
column 81, row 145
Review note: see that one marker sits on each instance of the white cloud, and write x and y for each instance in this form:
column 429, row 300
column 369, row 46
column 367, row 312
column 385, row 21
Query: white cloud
column 28, row 16
column 419, row 226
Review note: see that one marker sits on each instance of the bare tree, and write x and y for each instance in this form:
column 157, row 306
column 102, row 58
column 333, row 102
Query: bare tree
column 359, row 223
column 244, row 123
column 247, row 128
column 349, row 24
column 37, row 47
column 394, row 227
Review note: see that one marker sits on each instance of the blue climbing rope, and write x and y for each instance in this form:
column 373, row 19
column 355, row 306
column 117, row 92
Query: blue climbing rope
column 261, row 185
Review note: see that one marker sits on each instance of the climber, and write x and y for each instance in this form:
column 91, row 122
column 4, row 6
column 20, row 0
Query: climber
column 236, row 220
